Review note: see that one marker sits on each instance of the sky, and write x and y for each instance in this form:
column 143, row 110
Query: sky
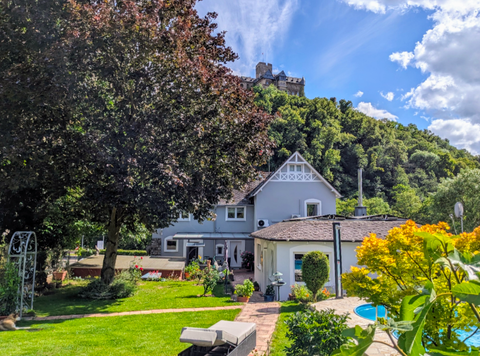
column 411, row 61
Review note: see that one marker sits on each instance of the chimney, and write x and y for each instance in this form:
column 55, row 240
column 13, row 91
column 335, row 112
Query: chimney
column 360, row 210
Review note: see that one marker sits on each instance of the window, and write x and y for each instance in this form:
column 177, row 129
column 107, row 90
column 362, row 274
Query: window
column 260, row 257
column 183, row 217
column 313, row 207
column 171, row 245
column 236, row 213
column 297, row 168
column 219, row 250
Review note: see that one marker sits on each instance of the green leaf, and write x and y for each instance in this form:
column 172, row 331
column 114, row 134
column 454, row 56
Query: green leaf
column 411, row 341
column 435, row 245
column 363, row 337
column 439, row 352
column 468, row 292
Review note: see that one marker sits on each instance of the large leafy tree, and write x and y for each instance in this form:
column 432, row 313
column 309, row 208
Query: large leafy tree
column 129, row 103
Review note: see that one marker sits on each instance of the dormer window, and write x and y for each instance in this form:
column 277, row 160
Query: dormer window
column 295, row 168
column 183, row 217
column 313, row 207
column 236, row 213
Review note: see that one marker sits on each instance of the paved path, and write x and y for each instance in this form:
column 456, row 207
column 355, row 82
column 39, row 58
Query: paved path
column 347, row 305
column 265, row 315
column 152, row 311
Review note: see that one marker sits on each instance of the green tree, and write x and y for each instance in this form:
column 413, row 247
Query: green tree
column 131, row 106
column 463, row 188
column 315, row 271
column 406, row 202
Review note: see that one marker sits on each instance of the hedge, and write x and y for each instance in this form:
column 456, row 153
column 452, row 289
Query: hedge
column 128, row 252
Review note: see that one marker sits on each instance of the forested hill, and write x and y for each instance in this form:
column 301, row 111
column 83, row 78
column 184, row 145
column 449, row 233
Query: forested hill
column 337, row 140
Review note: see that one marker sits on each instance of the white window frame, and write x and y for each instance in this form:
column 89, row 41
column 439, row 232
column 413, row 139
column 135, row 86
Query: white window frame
column 327, row 254
column 182, row 219
column 223, row 249
column 170, row 238
column 311, row 202
column 236, row 219
column 295, row 170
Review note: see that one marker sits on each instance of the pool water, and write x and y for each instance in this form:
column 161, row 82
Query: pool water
column 368, row 311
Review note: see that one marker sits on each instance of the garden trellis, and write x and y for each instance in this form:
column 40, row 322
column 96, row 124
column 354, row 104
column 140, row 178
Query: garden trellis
column 23, row 252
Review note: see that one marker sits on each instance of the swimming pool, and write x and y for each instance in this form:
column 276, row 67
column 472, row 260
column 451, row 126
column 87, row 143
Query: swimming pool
column 368, row 311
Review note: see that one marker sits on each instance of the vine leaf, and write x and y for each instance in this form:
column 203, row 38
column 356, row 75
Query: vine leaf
column 364, row 339
column 468, row 292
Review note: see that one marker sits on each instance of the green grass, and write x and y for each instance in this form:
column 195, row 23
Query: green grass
column 150, row 295
column 279, row 339
column 146, row 334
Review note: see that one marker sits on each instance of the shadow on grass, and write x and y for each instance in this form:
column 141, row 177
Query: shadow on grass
column 291, row 307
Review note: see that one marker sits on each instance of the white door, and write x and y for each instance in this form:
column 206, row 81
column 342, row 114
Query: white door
column 235, row 252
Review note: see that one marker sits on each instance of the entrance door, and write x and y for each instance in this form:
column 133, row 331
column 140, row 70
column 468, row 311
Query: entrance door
column 235, row 252
column 192, row 254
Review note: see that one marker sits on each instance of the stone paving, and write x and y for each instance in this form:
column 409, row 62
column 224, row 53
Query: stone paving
column 347, row 305
column 265, row 315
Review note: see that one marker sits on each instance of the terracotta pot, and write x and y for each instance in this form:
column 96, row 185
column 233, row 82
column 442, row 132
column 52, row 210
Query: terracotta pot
column 60, row 276
column 243, row 299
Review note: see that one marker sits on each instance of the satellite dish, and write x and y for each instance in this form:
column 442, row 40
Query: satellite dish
column 458, row 209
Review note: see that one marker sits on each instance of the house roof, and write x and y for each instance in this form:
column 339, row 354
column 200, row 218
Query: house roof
column 289, row 159
column 351, row 230
column 241, row 197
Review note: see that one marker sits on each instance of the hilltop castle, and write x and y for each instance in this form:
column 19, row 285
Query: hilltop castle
column 265, row 77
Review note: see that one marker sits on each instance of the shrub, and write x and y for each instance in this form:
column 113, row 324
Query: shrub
column 210, row 279
column 315, row 271
column 301, row 293
column 247, row 259
column 122, row 287
column 246, row 289
column 85, row 252
column 128, row 252
column 314, row 332
column 9, row 285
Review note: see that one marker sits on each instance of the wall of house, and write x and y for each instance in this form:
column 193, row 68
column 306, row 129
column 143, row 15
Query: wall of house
column 279, row 200
column 282, row 254
column 221, row 225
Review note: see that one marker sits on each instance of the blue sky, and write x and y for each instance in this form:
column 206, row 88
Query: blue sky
column 412, row 61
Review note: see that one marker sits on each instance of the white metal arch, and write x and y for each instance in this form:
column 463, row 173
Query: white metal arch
column 23, row 252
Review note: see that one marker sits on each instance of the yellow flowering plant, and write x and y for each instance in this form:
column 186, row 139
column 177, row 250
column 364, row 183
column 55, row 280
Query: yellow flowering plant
column 413, row 261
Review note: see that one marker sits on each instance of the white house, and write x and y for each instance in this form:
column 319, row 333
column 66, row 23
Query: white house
column 280, row 248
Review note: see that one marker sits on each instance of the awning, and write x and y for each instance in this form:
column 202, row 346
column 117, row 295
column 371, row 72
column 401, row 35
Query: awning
column 211, row 235
column 195, row 244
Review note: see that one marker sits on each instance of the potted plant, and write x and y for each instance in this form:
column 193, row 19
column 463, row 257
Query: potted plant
column 192, row 269
column 244, row 291
column 60, row 274
column 269, row 294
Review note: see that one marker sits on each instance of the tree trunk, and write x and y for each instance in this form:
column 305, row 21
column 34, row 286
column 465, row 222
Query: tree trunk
column 108, row 269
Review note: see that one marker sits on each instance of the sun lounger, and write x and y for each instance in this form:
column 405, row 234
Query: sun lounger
column 224, row 338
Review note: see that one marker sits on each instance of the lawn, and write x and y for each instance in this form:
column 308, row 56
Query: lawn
column 150, row 295
column 154, row 334
column 279, row 339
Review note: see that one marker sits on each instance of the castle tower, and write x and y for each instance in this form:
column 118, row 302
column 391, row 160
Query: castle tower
column 262, row 68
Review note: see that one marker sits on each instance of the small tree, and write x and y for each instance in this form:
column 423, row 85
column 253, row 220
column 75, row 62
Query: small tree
column 315, row 271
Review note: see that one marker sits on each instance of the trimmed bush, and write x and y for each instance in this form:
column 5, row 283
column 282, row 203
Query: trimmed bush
column 128, row 252
column 9, row 284
column 315, row 271
column 314, row 332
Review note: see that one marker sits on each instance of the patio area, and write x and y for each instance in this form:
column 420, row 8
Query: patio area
column 347, row 305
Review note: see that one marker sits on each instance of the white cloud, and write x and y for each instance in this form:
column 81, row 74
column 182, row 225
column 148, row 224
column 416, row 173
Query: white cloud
column 359, row 94
column 368, row 109
column 402, row 58
column 461, row 133
column 389, row 96
column 448, row 54
column 381, row 6
column 253, row 27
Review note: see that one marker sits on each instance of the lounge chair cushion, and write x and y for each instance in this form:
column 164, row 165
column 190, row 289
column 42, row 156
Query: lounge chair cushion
column 233, row 332
column 198, row 336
